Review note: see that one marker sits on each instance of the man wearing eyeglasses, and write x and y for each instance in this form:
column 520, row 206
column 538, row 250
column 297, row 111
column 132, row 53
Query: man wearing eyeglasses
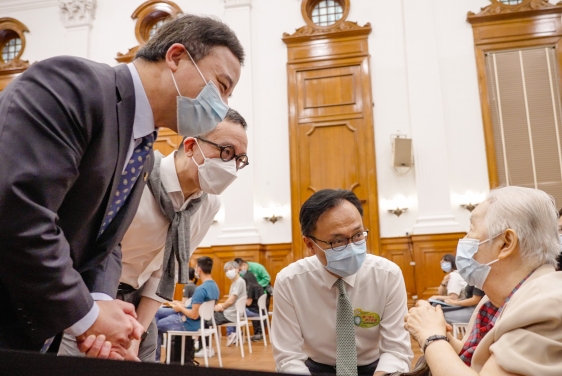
column 176, row 210
column 339, row 311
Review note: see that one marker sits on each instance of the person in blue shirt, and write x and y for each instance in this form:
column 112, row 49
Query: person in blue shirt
column 187, row 318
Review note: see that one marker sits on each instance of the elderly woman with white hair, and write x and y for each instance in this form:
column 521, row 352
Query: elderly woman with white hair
column 226, row 312
column 510, row 253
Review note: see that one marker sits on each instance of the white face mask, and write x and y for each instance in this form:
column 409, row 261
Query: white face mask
column 231, row 274
column 446, row 267
column 215, row 175
column 472, row 271
column 202, row 114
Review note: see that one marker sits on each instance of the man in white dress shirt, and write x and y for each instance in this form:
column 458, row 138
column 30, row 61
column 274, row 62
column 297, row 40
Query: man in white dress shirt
column 341, row 310
column 200, row 170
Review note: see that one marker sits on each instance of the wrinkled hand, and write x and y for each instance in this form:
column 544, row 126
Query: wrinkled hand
column 117, row 322
column 133, row 351
column 423, row 321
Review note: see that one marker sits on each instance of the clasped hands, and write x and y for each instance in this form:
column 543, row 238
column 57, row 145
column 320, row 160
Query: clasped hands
column 115, row 334
column 424, row 321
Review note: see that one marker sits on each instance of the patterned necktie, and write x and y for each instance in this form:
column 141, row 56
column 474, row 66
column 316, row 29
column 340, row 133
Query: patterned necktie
column 128, row 179
column 346, row 353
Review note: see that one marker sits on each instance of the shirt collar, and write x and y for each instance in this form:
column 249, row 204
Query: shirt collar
column 144, row 120
column 330, row 279
column 170, row 180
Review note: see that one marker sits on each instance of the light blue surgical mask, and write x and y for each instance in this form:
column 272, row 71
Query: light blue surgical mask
column 472, row 271
column 202, row 114
column 346, row 262
column 242, row 272
column 446, row 267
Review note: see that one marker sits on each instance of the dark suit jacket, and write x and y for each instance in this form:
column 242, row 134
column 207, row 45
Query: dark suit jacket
column 65, row 129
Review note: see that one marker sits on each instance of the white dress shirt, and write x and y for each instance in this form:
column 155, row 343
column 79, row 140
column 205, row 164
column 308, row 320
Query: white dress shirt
column 143, row 244
column 304, row 315
column 143, row 125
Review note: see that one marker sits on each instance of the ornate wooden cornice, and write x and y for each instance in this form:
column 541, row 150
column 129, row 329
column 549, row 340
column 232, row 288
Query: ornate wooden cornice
column 308, row 32
column 14, row 66
column 500, row 11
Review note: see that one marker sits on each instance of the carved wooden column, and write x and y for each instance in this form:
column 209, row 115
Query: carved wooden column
column 238, row 201
column 428, row 124
column 77, row 17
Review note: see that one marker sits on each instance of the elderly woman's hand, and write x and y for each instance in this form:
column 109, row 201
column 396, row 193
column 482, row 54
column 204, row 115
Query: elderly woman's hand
column 424, row 321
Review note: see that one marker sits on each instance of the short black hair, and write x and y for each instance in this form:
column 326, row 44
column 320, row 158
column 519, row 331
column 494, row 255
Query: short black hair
column 206, row 264
column 191, row 273
column 239, row 261
column 198, row 34
column 560, row 213
column 322, row 201
column 231, row 116
column 450, row 258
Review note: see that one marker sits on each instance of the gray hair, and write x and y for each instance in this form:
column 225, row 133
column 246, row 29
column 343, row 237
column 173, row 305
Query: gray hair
column 198, row 35
column 231, row 264
column 532, row 214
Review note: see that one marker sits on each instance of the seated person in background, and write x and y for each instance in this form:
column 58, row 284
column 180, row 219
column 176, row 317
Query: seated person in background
column 453, row 284
column 338, row 311
column 181, row 197
column 190, row 286
column 254, row 291
column 462, row 312
column 187, row 319
column 226, row 312
column 263, row 277
column 509, row 252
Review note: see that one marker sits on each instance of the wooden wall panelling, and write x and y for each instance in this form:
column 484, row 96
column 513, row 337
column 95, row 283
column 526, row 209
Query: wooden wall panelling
column 399, row 251
column 167, row 141
column 331, row 121
column 499, row 27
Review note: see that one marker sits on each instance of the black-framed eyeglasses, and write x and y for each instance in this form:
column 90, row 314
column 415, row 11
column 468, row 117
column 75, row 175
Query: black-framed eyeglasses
column 340, row 244
column 227, row 154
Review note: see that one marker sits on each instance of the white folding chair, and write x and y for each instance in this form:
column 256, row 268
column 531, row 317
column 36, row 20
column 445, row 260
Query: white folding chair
column 263, row 316
column 459, row 328
column 241, row 319
column 187, row 302
column 206, row 313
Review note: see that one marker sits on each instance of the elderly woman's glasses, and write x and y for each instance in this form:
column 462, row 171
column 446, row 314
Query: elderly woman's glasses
column 227, row 154
column 340, row 244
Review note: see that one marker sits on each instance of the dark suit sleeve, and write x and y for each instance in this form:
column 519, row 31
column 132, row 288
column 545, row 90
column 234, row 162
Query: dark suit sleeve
column 104, row 278
column 47, row 117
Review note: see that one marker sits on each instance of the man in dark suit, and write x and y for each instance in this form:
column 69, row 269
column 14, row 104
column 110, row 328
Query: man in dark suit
column 75, row 152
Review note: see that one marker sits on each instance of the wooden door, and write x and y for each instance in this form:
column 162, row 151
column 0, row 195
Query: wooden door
column 331, row 127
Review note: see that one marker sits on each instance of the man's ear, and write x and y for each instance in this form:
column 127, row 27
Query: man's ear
column 188, row 145
column 508, row 241
column 310, row 245
column 175, row 53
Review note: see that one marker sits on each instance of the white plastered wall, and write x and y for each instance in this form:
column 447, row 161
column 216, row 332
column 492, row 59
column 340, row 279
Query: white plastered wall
column 268, row 182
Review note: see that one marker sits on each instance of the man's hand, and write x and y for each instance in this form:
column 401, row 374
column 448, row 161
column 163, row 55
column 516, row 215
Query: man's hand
column 133, row 351
column 175, row 306
column 117, row 322
column 98, row 347
column 219, row 308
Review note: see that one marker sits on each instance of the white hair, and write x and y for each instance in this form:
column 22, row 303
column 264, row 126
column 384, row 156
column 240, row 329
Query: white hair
column 232, row 264
column 532, row 214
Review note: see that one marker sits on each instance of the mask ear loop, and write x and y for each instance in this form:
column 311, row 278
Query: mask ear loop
column 201, row 150
column 193, row 61
column 176, row 85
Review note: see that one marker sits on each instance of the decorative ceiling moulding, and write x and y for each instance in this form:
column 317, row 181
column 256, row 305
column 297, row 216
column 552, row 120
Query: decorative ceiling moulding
column 497, row 10
column 77, row 13
column 148, row 15
column 11, row 28
column 229, row 4
column 313, row 31
column 21, row 5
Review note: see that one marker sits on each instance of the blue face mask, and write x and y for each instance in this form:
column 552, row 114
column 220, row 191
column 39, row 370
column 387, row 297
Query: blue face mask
column 446, row 267
column 347, row 262
column 242, row 272
column 472, row 271
column 202, row 114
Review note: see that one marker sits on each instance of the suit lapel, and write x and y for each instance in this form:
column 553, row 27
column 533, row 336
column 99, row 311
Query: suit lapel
column 125, row 118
